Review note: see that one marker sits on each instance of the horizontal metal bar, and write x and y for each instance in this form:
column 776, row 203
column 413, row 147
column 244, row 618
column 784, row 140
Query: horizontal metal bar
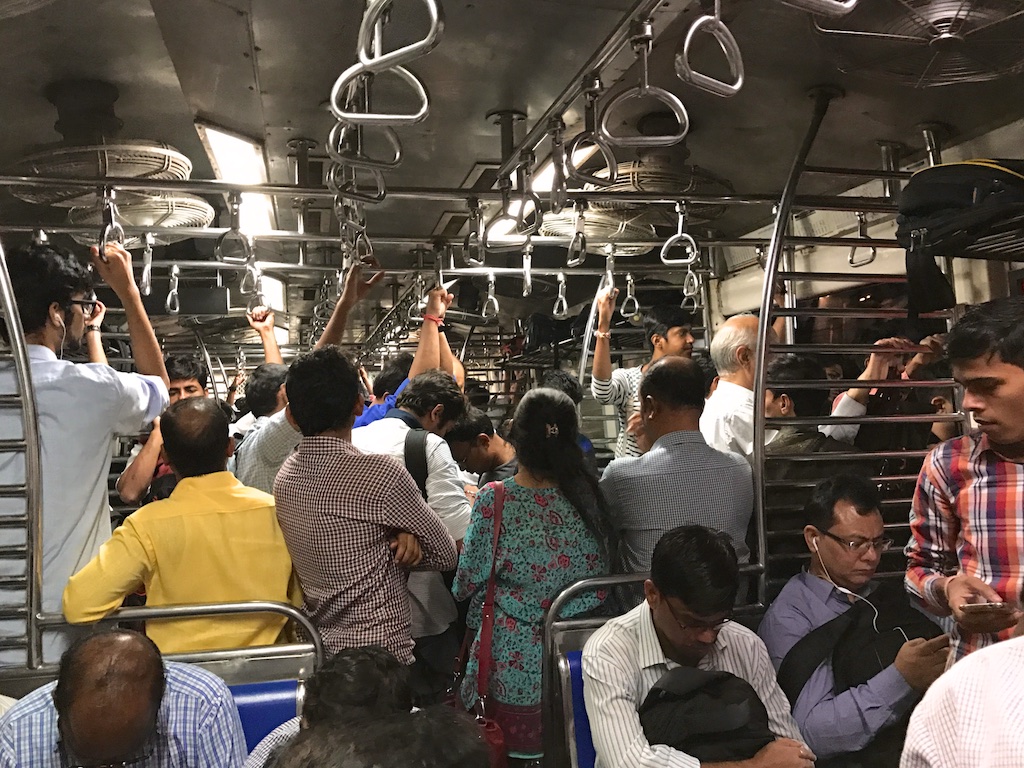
column 12, row 446
column 11, row 491
column 11, row 401
column 908, row 418
column 887, row 504
column 13, row 582
column 11, row 551
column 13, row 612
column 845, row 455
column 836, row 277
column 890, row 527
column 861, row 383
column 814, row 483
column 13, row 521
column 15, row 642
column 865, row 312
column 860, row 173
column 841, row 349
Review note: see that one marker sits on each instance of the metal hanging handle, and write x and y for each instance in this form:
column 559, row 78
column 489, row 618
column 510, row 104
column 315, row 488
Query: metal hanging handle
column 691, row 285
column 712, row 25
column 680, row 238
column 578, row 245
column 473, row 252
column 505, row 185
column 234, row 233
column 642, row 41
column 342, row 181
column 239, row 359
column 862, row 231
column 339, row 151
column 146, row 281
column 592, row 87
column 561, row 309
column 257, row 300
column 559, row 189
column 172, row 304
column 250, row 278
column 345, row 114
column 527, row 270
column 111, row 231
column 491, row 302
column 831, row 8
column 376, row 60
column 528, row 197
column 630, row 306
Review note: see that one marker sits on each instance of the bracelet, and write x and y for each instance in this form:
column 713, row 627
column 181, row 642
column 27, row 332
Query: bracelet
column 439, row 321
column 92, row 328
column 603, row 334
column 232, row 388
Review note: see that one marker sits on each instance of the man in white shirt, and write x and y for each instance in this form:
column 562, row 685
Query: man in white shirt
column 80, row 410
column 684, row 621
column 432, row 402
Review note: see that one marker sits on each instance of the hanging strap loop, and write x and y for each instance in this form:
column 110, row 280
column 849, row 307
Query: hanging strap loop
column 714, row 26
column 172, row 304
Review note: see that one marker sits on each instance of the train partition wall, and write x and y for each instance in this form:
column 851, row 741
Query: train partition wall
column 573, row 174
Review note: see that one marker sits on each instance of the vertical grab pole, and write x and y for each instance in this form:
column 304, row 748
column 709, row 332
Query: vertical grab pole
column 822, row 98
column 33, row 468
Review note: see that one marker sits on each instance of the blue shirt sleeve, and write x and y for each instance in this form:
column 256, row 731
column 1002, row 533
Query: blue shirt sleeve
column 373, row 413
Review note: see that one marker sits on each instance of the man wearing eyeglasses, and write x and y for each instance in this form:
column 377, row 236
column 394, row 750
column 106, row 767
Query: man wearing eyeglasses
column 116, row 704
column 80, row 407
column 852, row 655
column 684, row 622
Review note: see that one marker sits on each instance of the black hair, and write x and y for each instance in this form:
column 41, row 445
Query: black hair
column 698, row 565
column 40, row 276
column 357, row 682
column 436, row 737
column 564, row 382
column 477, row 393
column 995, row 327
column 184, row 367
column 861, row 492
column 659, row 319
column 709, row 372
column 473, row 422
column 785, row 369
column 322, row 388
column 91, row 654
column 395, row 371
column 262, row 387
column 430, row 389
column 675, row 382
column 544, row 432
column 195, row 433
column 940, row 369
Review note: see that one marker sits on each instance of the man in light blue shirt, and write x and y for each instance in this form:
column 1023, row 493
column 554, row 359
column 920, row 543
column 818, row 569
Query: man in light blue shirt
column 115, row 702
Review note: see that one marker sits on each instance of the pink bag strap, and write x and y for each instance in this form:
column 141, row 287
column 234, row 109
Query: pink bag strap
column 487, row 621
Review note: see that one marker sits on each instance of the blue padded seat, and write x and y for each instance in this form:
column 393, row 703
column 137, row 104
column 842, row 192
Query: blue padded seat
column 585, row 753
column 264, row 706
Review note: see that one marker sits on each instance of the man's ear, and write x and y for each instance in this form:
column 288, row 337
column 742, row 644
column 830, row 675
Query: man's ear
column 785, row 404
column 290, row 417
column 231, row 447
column 483, row 440
column 744, row 356
column 437, row 414
column 651, row 593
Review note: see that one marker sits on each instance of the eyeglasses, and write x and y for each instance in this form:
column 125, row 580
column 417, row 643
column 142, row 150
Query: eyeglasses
column 697, row 626
column 88, row 306
column 860, row 546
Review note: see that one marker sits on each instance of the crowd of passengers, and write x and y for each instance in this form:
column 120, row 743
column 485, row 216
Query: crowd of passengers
column 425, row 547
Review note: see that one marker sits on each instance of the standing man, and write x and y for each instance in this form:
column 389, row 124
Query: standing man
column 479, row 449
column 80, row 408
column 667, row 331
column 967, row 523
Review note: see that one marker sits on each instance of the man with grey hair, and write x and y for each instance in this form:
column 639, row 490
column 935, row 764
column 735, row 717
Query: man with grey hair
column 728, row 419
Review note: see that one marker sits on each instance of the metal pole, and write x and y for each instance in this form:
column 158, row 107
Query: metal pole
column 33, row 467
column 822, row 98
column 892, row 151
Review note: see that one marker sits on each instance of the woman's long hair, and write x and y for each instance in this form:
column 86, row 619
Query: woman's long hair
column 544, row 432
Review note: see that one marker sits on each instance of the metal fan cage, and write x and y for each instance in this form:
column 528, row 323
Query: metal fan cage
column 177, row 210
column 613, row 226
column 121, row 159
column 927, row 43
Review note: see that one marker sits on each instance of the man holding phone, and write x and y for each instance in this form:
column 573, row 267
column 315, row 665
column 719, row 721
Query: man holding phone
column 966, row 553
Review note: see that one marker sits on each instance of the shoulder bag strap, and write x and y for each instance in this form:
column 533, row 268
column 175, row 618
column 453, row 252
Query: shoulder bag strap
column 483, row 679
column 416, row 458
column 811, row 650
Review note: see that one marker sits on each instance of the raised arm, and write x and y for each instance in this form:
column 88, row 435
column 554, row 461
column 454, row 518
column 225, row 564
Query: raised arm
column 136, row 478
column 355, row 290
column 116, row 271
column 261, row 320
column 94, row 336
column 428, row 351
column 602, row 370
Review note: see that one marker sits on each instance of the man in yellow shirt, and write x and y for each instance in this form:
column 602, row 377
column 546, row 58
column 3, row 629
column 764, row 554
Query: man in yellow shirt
column 212, row 540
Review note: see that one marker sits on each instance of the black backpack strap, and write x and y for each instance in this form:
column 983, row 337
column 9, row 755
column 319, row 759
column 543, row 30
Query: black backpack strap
column 416, row 457
column 811, row 650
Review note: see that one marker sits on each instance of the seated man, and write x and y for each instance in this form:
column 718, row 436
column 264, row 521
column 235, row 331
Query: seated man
column 680, row 480
column 683, row 622
column 355, row 684
column 213, row 540
column 116, row 703
column 853, row 687
column 478, row 449
column 343, row 511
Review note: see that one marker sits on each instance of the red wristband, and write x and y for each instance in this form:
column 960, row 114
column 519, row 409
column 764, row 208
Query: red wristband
column 434, row 319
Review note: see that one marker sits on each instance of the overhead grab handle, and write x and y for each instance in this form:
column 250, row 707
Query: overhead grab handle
column 472, row 251
column 234, row 233
column 504, row 214
column 832, row 8
column 592, row 88
column 491, row 303
column 578, row 245
column 559, row 189
column 239, row 359
column 111, row 232
column 527, row 270
column 714, row 26
column 370, row 53
column 146, row 281
column 642, row 42
column 342, row 149
column 862, row 231
column 527, row 197
column 343, row 112
column 342, row 180
column 630, row 306
column 561, row 310
column 172, row 303
column 680, row 238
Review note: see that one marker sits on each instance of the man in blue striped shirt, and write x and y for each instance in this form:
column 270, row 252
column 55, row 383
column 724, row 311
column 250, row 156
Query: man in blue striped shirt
column 115, row 702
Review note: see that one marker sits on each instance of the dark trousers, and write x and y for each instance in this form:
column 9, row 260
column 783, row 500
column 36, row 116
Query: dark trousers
column 433, row 671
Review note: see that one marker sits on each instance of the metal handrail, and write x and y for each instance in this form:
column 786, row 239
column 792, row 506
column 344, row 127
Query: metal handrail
column 713, row 25
column 33, row 461
column 832, row 8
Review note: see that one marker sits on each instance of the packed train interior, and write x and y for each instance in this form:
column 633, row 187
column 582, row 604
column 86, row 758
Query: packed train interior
column 725, row 157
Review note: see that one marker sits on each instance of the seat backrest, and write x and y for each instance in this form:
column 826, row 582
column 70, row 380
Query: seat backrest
column 580, row 740
column 264, row 706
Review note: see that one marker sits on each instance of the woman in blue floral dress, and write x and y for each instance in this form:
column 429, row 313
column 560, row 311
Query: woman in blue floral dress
column 555, row 530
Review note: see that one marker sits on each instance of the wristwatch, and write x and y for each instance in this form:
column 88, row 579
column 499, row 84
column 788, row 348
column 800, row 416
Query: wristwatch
column 92, row 328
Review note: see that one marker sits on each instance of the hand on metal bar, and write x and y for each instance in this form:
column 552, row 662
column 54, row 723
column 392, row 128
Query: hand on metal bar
column 862, row 231
column 111, row 232
column 832, row 8
column 725, row 40
column 472, row 251
column 592, row 87
column 578, row 245
column 559, row 190
column 527, row 267
column 491, row 302
column 234, row 233
column 561, row 310
column 642, row 41
column 146, row 282
column 172, row 303
column 341, row 149
column 680, row 238
column 371, row 54
column 630, row 308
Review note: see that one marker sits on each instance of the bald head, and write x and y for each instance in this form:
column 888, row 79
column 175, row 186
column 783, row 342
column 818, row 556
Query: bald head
column 195, row 432
column 108, row 693
column 675, row 382
column 733, row 349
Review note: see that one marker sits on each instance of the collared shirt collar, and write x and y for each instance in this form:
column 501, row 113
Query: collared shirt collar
column 40, row 353
column 214, row 480
column 980, row 444
column 326, row 444
column 650, row 652
column 826, row 590
column 408, row 418
column 732, row 391
column 680, row 437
